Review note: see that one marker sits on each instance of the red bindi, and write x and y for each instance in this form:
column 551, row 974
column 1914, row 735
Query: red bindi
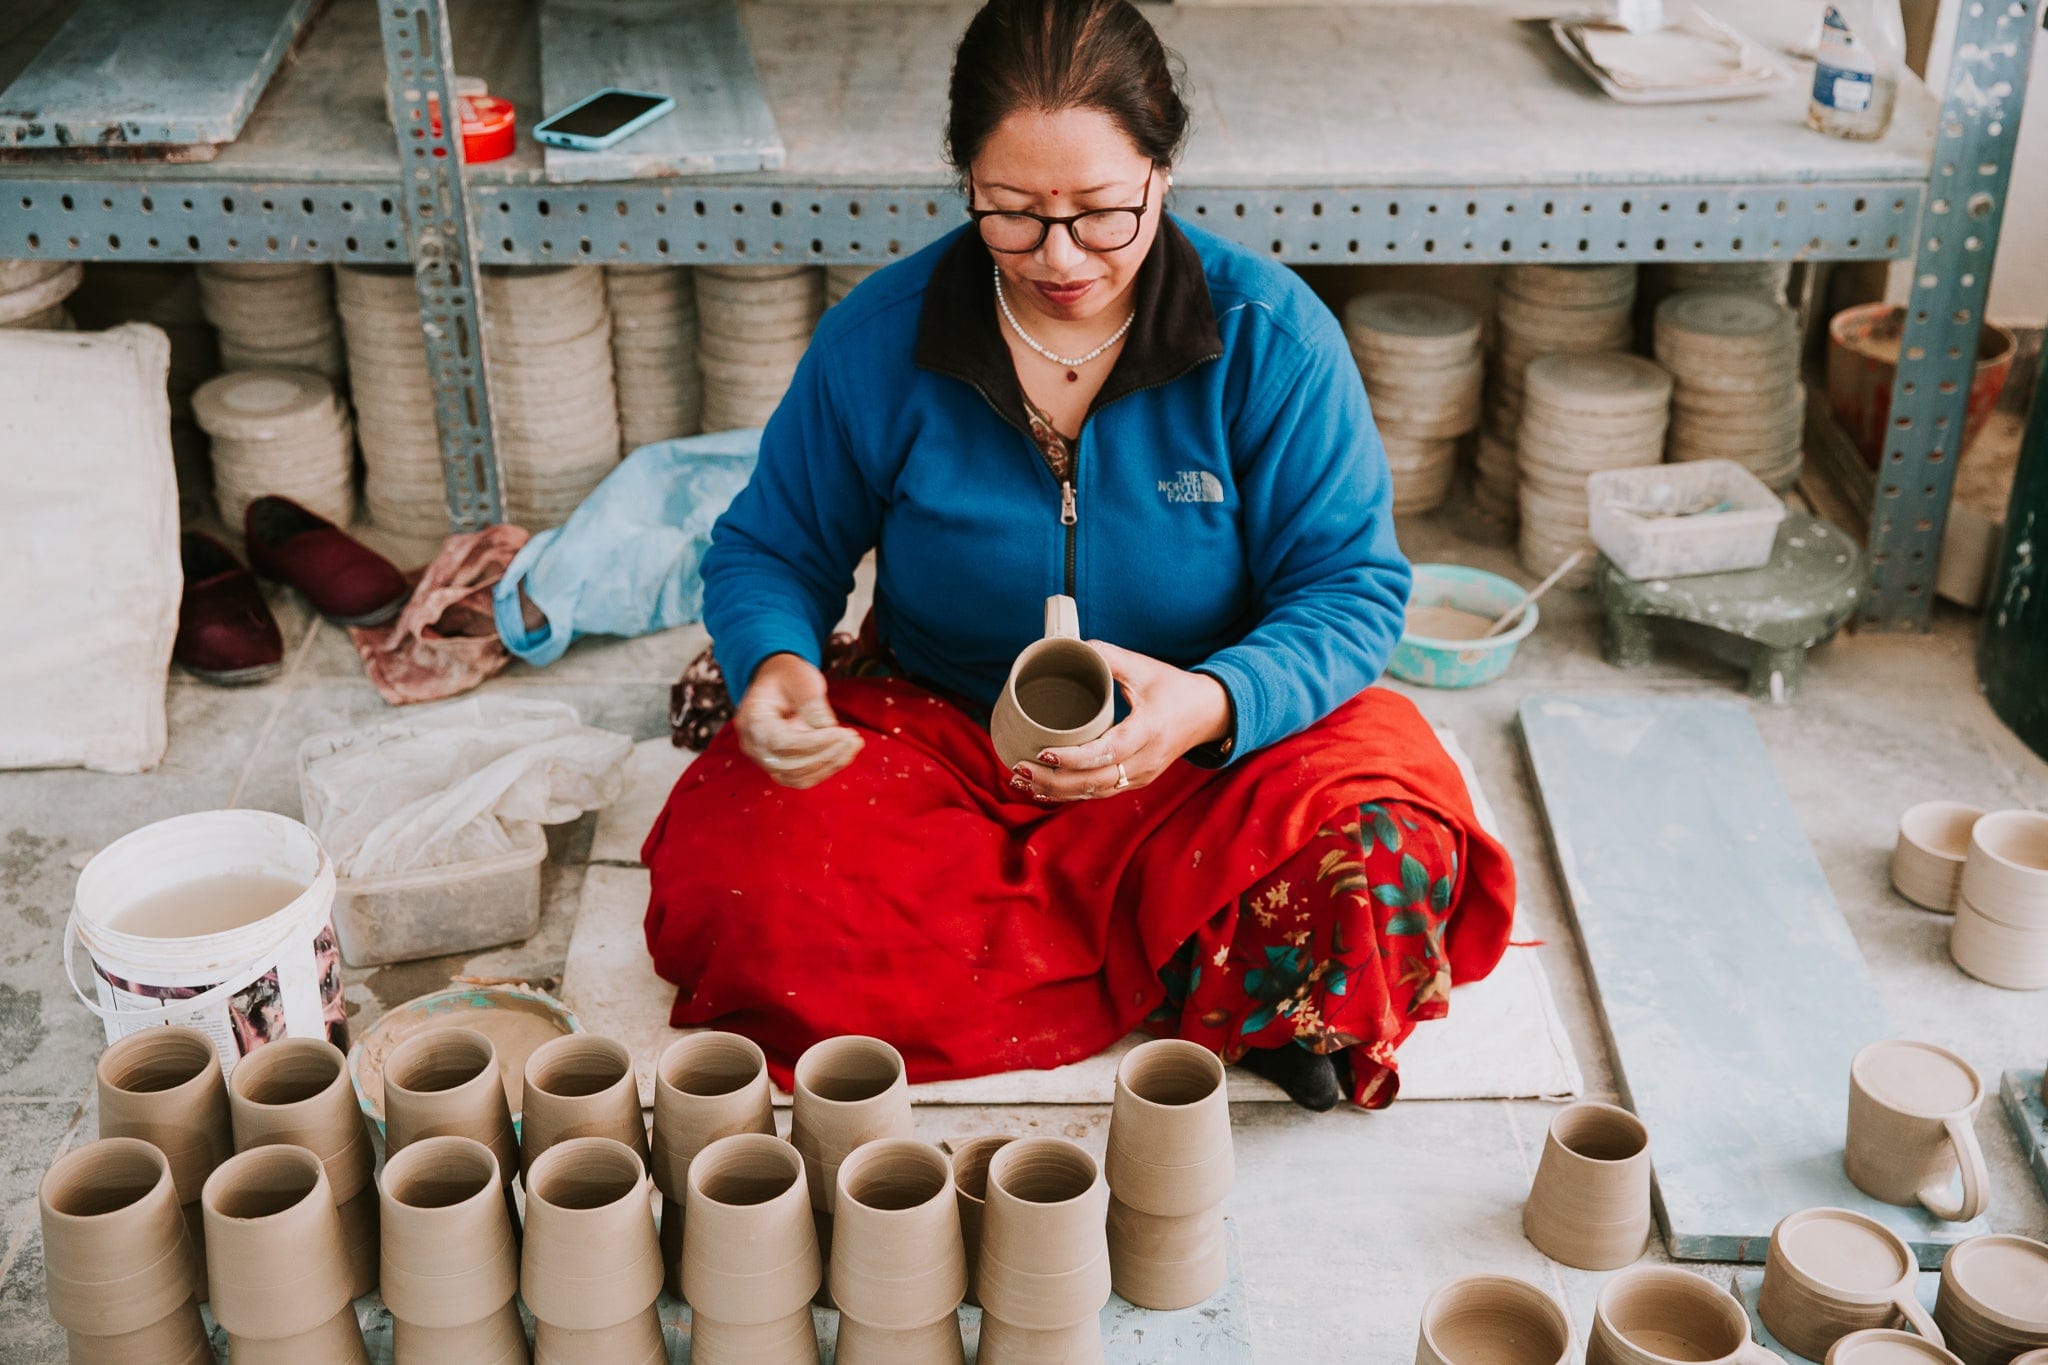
column 1055, row 194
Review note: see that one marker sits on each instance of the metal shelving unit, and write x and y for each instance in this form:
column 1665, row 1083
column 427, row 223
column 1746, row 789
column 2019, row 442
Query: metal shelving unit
column 1324, row 136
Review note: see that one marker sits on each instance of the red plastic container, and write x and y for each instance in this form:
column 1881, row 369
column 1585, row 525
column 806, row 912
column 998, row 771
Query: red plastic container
column 1863, row 358
column 489, row 127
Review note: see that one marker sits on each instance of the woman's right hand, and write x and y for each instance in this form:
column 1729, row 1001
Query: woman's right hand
column 786, row 725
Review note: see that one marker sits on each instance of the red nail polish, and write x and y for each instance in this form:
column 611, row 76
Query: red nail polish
column 1050, row 760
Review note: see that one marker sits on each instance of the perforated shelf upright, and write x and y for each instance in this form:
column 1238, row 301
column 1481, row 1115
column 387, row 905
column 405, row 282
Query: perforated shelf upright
column 1327, row 135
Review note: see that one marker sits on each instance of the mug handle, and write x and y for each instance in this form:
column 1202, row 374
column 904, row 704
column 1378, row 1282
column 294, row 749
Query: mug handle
column 1062, row 618
column 1753, row 1353
column 1916, row 1317
column 1962, row 1135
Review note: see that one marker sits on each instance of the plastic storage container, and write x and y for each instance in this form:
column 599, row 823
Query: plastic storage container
column 457, row 908
column 1674, row 520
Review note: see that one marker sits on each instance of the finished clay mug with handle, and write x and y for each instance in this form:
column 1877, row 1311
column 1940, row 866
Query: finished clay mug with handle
column 1912, row 1124
column 1060, row 691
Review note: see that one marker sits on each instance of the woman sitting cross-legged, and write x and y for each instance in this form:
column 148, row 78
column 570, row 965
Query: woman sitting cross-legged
column 1074, row 393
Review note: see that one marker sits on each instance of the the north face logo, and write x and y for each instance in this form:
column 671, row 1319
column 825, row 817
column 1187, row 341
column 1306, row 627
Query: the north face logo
column 1192, row 485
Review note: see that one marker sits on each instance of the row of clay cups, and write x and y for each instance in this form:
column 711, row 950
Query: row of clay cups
column 1647, row 1315
column 1169, row 1164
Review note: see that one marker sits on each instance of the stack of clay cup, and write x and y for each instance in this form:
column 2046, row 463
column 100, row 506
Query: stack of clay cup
column 1495, row 1318
column 446, row 1082
column 706, row 1086
column 281, row 1277
column 1554, row 310
column 2000, row 935
column 590, row 1265
column 281, row 432
column 1927, row 860
column 654, row 352
column 970, row 1188
column 1589, row 1204
column 548, row 354
column 1169, row 1165
column 163, row 1085
column 1423, row 368
column 1582, row 414
column 1993, row 1301
column 1735, row 360
column 1045, row 1270
column 32, row 294
column 899, row 1267
column 1830, row 1272
column 840, row 280
column 579, row 1085
column 123, row 1279
column 394, row 400
column 274, row 316
column 753, row 324
column 449, row 1268
column 848, row 1091
column 750, row 1254
column 296, row 1092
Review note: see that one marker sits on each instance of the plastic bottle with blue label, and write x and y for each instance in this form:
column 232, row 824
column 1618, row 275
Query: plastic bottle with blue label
column 1856, row 68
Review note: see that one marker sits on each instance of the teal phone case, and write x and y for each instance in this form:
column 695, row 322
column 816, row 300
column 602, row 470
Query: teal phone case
column 545, row 131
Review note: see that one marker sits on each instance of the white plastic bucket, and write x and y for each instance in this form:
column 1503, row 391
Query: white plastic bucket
column 275, row 977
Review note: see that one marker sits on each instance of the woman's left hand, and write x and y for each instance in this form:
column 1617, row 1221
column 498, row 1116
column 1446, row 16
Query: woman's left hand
column 1172, row 711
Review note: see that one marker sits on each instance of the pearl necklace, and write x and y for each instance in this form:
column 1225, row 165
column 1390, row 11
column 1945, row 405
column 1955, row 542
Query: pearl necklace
column 1071, row 362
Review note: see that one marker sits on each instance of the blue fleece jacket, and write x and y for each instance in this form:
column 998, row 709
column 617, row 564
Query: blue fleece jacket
column 1233, row 518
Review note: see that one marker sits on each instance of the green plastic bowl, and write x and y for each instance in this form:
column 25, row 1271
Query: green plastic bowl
column 1432, row 662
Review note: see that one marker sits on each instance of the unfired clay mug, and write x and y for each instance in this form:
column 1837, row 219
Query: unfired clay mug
column 1831, row 1272
column 1589, row 1205
column 1993, row 1303
column 1657, row 1315
column 1888, row 1346
column 1493, row 1320
column 1912, row 1113
column 1060, row 691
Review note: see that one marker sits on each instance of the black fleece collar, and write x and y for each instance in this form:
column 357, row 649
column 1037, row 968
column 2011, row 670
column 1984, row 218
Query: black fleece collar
column 959, row 332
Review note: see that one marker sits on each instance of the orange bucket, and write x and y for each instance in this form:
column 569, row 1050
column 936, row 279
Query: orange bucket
column 1863, row 358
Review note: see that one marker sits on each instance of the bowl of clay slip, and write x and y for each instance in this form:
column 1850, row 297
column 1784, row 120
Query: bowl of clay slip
column 1044, row 1254
column 163, row 1085
column 277, row 1267
column 750, row 1254
column 579, row 1085
column 118, row 1263
column 706, row 1086
column 590, row 1265
column 1927, row 861
column 1170, row 1163
column 899, row 1267
column 450, row 1266
column 297, row 1091
column 1589, row 1205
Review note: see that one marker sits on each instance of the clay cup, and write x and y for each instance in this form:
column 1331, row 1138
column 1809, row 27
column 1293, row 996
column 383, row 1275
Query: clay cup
column 848, row 1091
column 750, row 1252
column 706, row 1086
column 898, row 1263
column 445, row 1082
column 636, row 1341
column 1927, row 860
column 1888, row 1346
column 590, row 1258
column 1589, row 1205
column 1492, row 1320
column 297, row 1091
column 1830, row 1272
column 1997, row 953
column 1060, row 691
column 449, row 1259
column 1044, row 1243
column 277, row 1266
column 1658, row 1315
column 117, row 1259
column 163, row 1085
column 499, row 1339
column 970, row 1189
column 2005, row 872
column 1912, row 1112
column 579, row 1085
column 1993, row 1302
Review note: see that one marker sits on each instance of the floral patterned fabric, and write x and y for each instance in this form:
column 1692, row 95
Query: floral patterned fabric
column 1340, row 949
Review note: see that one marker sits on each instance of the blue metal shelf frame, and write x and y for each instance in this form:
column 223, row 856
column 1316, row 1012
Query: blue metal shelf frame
column 448, row 224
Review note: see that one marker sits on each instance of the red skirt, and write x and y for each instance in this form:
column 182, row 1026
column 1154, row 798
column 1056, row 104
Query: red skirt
column 916, row 898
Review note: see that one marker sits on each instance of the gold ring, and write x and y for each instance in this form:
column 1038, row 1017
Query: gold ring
column 1123, row 779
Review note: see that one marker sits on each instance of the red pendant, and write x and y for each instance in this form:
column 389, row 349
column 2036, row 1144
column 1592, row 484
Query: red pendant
column 1072, row 377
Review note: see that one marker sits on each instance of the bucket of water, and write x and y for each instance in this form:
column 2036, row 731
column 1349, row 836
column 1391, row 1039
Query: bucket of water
column 221, row 920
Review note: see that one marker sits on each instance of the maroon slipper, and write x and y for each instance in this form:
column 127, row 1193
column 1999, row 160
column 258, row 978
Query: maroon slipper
column 226, row 634
column 346, row 581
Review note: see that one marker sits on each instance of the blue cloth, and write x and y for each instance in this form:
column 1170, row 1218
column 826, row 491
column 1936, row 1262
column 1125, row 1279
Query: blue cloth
column 1235, row 520
column 626, row 562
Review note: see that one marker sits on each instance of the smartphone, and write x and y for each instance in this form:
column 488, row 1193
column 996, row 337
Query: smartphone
column 599, row 120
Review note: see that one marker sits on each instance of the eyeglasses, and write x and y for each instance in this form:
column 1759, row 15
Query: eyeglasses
column 1015, row 233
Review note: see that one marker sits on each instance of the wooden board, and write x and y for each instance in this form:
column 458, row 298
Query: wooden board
column 1732, row 992
column 2020, row 1092
column 129, row 72
column 693, row 50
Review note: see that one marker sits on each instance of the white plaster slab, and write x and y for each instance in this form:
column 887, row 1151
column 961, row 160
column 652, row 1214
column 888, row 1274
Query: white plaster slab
column 1502, row 1039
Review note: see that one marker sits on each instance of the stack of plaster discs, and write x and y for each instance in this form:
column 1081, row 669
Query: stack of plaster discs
column 1583, row 413
column 32, row 294
column 1735, row 358
column 753, row 323
column 1423, row 368
column 403, row 484
column 1666, row 278
column 1555, row 310
column 548, row 351
column 273, row 315
column 654, row 352
column 282, row 432
column 840, row 280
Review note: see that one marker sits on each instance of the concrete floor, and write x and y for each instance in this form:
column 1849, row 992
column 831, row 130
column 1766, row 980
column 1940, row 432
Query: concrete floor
column 1346, row 1220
